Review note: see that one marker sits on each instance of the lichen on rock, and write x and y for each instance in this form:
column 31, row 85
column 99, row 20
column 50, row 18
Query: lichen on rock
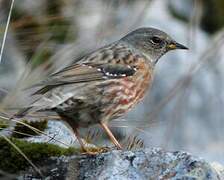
column 140, row 164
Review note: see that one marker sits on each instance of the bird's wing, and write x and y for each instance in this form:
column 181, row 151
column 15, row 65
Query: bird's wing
column 108, row 62
column 86, row 72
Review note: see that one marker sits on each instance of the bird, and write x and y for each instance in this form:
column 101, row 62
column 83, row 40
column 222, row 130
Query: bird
column 104, row 84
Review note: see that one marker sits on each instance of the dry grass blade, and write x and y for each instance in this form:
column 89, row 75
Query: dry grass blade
column 40, row 132
column 6, row 30
column 133, row 142
column 37, row 131
column 92, row 134
column 17, row 132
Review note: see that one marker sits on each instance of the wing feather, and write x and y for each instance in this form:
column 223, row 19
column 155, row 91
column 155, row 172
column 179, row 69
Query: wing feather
column 85, row 73
column 97, row 66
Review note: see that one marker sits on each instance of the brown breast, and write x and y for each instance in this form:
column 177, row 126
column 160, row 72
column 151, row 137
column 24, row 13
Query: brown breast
column 124, row 93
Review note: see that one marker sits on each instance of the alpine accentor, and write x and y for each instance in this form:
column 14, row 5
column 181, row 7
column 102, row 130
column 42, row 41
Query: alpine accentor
column 104, row 84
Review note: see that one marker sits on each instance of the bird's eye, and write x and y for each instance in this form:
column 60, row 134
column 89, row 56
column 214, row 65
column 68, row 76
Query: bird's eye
column 156, row 40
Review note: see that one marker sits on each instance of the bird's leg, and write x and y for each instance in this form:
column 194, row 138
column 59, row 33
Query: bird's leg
column 77, row 135
column 84, row 149
column 110, row 134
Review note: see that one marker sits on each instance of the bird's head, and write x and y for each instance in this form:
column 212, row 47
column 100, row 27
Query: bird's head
column 152, row 42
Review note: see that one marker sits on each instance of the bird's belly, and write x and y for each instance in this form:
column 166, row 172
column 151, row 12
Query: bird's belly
column 121, row 95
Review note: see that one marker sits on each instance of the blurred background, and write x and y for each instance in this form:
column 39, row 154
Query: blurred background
column 184, row 109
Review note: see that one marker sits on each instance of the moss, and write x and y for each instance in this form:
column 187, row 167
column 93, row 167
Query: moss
column 12, row 162
column 41, row 125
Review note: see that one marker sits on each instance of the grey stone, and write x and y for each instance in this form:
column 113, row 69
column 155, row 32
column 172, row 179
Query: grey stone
column 141, row 164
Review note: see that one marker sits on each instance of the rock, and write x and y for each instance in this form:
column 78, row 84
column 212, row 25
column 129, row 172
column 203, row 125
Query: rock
column 141, row 164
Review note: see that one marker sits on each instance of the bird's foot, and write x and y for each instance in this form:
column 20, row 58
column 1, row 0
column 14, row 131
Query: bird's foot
column 95, row 150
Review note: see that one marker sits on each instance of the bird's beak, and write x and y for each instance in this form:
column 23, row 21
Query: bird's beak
column 174, row 45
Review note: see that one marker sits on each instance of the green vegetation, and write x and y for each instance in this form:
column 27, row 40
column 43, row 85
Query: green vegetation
column 11, row 161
